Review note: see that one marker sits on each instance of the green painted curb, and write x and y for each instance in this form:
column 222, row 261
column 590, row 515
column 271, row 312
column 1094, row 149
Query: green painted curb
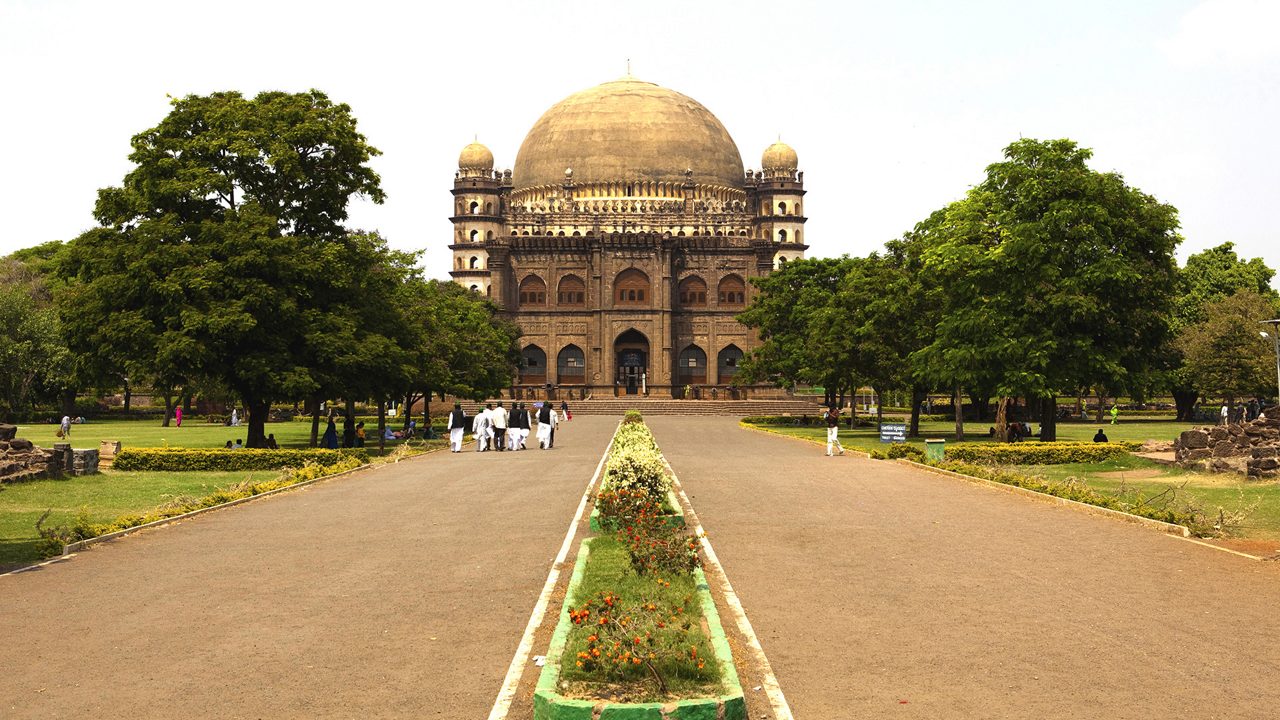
column 550, row 705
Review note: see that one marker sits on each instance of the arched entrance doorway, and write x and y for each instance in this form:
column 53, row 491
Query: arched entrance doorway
column 631, row 351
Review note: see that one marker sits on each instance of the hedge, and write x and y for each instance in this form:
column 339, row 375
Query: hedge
column 1038, row 453
column 180, row 459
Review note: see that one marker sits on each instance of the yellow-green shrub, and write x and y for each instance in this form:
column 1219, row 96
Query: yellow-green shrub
column 1036, row 453
column 180, row 459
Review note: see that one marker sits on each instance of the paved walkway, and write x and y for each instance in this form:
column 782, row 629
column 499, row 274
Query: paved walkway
column 395, row 592
column 879, row 590
column 875, row 589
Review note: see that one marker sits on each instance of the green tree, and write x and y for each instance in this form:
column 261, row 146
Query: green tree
column 1208, row 276
column 1055, row 276
column 221, row 256
column 34, row 356
column 1224, row 354
column 791, row 314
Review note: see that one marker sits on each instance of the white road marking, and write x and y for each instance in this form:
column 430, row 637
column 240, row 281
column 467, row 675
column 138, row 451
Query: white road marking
column 502, row 705
column 28, row 568
column 772, row 689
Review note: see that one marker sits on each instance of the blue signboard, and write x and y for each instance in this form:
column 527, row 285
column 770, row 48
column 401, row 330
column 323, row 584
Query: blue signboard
column 893, row 432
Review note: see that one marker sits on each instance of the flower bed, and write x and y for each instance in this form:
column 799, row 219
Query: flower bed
column 639, row 636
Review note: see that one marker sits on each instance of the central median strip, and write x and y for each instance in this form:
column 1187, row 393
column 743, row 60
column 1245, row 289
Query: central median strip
column 638, row 634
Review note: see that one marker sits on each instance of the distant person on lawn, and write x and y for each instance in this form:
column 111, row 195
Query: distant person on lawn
column 239, row 444
column 1115, row 413
column 271, row 442
column 348, row 431
column 832, row 418
column 1100, row 436
column 330, row 439
column 457, row 426
column 177, row 415
column 65, row 427
column 360, row 434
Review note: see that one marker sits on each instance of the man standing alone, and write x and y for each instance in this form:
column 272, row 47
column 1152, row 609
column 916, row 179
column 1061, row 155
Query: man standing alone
column 457, row 426
column 832, row 416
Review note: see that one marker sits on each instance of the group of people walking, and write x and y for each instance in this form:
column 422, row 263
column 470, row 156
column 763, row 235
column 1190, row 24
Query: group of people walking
column 1244, row 412
column 497, row 428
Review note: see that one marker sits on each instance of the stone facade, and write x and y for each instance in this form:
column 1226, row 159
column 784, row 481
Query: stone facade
column 625, row 273
column 1252, row 448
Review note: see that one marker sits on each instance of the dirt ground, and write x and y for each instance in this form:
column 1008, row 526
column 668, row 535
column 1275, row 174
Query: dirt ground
column 396, row 592
column 876, row 588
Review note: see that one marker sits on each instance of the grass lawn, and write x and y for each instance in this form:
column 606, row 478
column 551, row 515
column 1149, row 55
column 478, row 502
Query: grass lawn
column 609, row 569
column 103, row 497
column 1228, row 491
column 867, row 439
column 149, row 433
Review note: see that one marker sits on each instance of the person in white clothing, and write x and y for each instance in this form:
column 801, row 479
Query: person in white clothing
column 546, row 423
column 457, row 426
column 481, row 428
column 500, row 421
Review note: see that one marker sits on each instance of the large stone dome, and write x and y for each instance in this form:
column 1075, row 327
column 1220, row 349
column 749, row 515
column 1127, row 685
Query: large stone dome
column 628, row 130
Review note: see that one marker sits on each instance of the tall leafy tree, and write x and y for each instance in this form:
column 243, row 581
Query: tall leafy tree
column 1225, row 356
column 1208, row 276
column 36, row 363
column 1055, row 276
column 221, row 255
column 791, row 315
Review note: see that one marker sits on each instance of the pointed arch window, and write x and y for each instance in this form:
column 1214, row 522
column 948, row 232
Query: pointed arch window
column 571, row 291
column 631, row 287
column 732, row 291
column 692, row 292
column 533, row 291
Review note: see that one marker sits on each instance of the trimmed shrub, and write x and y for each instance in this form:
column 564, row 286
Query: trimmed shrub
column 1037, row 453
column 638, row 470
column 180, row 459
column 632, row 416
column 903, row 450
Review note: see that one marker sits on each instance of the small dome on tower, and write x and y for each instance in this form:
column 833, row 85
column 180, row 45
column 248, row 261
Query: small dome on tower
column 779, row 156
column 475, row 157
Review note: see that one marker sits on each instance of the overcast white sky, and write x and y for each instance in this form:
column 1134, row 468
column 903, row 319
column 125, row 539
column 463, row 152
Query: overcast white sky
column 894, row 108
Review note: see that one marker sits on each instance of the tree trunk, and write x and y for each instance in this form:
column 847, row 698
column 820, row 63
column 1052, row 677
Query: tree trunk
column 128, row 396
column 1002, row 419
column 69, row 402
column 918, row 396
column 1185, row 402
column 958, row 406
column 186, row 403
column 1049, row 420
column 168, row 409
column 258, row 411
column 426, row 413
column 382, row 426
column 879, row 409
column 1080, row 405
column 1101, row 402
column 315, row 421
column 979, row 406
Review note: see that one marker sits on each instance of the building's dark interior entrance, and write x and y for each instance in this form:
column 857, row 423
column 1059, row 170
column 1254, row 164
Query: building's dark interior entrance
column 632, row 350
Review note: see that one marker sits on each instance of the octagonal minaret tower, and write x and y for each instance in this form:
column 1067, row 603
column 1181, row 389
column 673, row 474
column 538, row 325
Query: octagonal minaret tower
column 779, row 205
column 477, row 217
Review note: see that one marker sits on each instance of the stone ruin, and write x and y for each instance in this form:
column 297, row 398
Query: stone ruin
column 1252, row 448
column 20, row 460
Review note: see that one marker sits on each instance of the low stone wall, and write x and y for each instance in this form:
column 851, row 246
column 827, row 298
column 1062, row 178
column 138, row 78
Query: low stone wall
column 20, row 460
column 1252, row 448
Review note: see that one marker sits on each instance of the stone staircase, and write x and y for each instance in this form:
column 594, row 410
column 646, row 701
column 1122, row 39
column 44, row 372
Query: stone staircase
column 660, row 406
